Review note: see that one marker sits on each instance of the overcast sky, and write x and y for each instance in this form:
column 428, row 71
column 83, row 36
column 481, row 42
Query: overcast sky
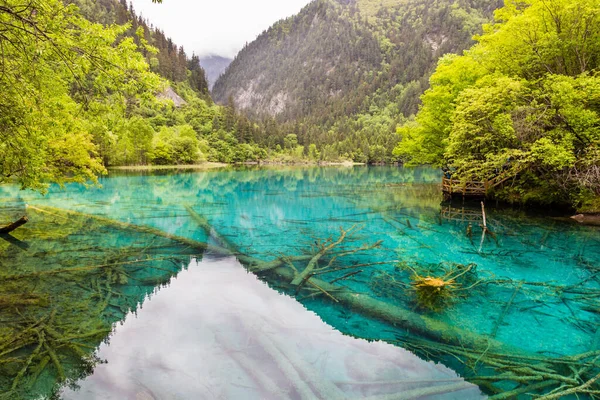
column 219, row 27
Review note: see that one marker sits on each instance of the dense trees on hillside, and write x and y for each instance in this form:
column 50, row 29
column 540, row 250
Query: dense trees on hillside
column 332, row 84
column 342, row 76
column 78, row 96
column 521, row 104
column 171, row 61
column 349, row 93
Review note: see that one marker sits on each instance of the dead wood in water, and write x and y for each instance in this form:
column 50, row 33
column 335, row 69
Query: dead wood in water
column 21, row 299
column 326, row 247
column 9, row 228
column 415, row 394
column 194, row 244
column 367, row 305
column 446, row 341
column 207, row 228
column 403, row 318
column 82, row 274
column 498, row 361
column 46, row 336
column 85, row 269
column 587, row 219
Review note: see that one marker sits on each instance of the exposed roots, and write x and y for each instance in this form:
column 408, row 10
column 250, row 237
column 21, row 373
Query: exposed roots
column 433, row 287
column 436, row 292
column 528, row 373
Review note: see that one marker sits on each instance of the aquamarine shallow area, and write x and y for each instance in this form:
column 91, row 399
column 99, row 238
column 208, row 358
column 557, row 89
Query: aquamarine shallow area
column 534, row 278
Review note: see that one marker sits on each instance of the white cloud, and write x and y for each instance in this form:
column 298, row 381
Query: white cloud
column 219, row 27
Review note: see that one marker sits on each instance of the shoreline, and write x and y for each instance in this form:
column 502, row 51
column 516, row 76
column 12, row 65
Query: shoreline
column 213, row 165
column 306, row 163
column 588, row 217
column 207, row 165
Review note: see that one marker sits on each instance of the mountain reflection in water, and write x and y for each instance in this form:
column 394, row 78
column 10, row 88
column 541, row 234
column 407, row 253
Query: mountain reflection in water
column 218, row 332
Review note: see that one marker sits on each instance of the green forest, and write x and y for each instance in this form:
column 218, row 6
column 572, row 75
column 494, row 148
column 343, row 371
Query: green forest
column 80, row 96
column 510, row 95
column 522, row 104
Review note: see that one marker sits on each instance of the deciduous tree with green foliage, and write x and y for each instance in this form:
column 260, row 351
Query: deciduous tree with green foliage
column 522, row 104
column 78, row 96
column 59, row 72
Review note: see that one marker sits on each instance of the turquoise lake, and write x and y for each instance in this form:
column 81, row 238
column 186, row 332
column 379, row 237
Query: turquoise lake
column 188, row 285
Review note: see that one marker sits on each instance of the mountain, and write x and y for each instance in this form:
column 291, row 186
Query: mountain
column 337, row 61
column 214, row 66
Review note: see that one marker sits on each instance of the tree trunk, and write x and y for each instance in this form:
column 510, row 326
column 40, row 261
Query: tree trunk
column 587, row 219
column 9, row 228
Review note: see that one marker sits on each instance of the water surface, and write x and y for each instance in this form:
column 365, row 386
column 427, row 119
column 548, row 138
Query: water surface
column 532, row 290
column 216, row 331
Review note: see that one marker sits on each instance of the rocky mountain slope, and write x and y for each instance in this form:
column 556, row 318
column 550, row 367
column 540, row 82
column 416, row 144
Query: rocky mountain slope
column 342, row 57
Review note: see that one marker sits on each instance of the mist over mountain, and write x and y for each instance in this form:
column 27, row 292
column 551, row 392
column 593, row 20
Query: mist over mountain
column 214, row 66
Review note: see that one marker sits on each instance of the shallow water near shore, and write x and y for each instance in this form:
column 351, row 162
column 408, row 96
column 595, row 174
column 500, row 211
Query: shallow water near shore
column 186, row 322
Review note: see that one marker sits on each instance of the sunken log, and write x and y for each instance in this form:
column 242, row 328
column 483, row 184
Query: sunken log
column 364, row 304
column 9, row 228
column 587, row 219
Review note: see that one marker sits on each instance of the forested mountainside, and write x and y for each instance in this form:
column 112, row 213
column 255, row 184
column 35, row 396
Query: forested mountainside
column 171, row 61
column 91, row 85
column 362, row 58
column 214, row 66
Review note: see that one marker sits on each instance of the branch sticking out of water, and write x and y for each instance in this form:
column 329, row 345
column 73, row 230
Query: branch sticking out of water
column 9, row 228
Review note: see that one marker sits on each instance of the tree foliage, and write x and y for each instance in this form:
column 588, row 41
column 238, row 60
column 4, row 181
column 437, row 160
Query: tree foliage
column 523, row 103
column 78, row 96
column 57, row 70
column 164, row 56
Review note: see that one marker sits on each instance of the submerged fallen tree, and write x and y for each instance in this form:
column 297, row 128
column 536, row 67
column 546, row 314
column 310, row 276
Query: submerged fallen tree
column 80, row 275
column 587, row 219
column 284, row 268
column 516, row 370
column 492, row 361
column 398, row 316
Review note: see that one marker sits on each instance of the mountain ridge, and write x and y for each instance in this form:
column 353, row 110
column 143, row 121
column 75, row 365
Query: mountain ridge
column 330, row 47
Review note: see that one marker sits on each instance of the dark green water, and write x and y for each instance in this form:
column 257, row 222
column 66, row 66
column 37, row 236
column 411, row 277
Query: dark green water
column 525, row 312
